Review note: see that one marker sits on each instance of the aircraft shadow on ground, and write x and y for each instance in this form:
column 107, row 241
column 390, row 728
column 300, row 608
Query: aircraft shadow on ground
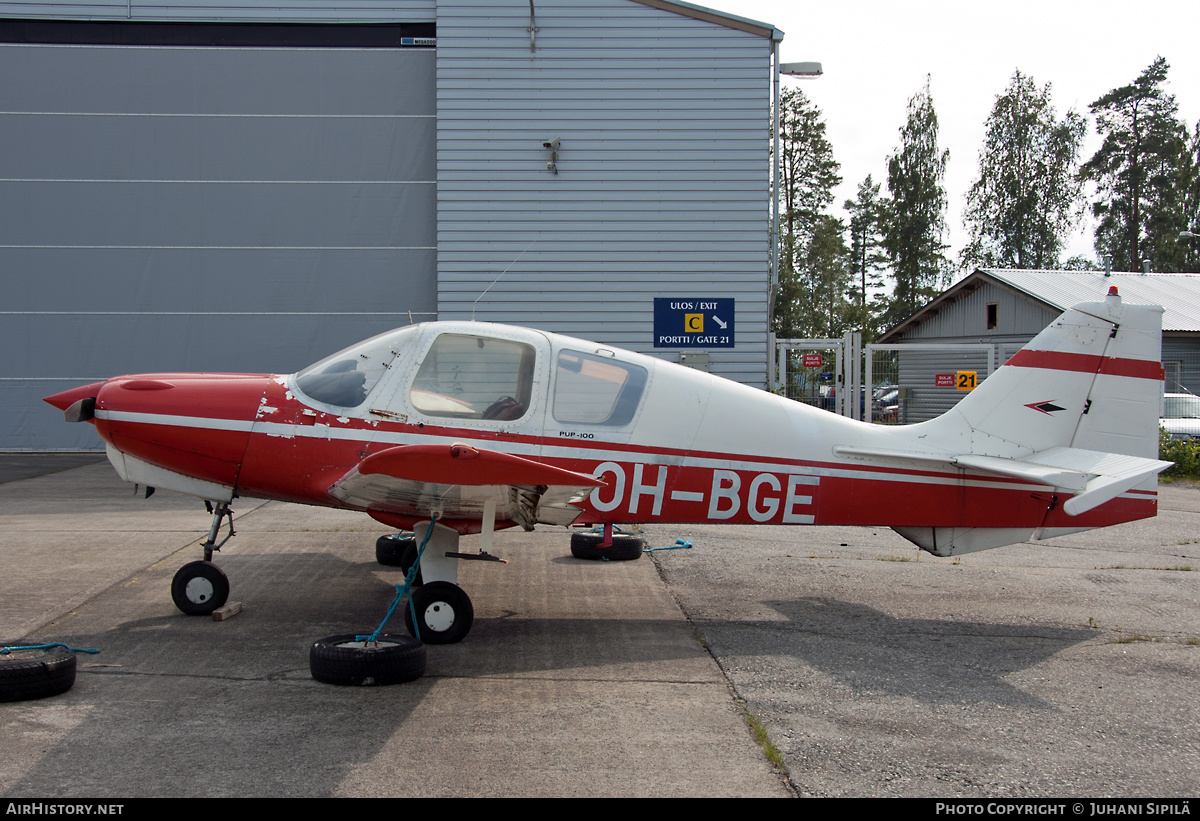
column 194, row 707
column 868, row 651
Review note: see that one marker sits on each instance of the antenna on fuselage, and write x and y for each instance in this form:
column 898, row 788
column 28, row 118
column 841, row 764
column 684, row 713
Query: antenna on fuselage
column 502, row 273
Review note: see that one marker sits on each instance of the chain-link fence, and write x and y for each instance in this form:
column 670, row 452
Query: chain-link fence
column 913, row 383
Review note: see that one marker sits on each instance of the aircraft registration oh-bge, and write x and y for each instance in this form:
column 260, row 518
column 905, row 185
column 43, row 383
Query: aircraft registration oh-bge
column 463, row 427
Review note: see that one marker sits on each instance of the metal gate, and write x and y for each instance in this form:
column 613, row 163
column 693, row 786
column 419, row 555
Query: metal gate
column 888, row 384
column 915, row 382
column 804, row 372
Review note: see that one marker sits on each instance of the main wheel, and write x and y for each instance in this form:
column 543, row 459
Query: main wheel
column 345, row 660
column 27, row 674
column 389, row 550
column 199, row 588
column 624, row 547
column 395, row 552
column 444, row 613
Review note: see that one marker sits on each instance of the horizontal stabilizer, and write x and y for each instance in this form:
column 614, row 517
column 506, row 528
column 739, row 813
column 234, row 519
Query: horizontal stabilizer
column 1093, row 476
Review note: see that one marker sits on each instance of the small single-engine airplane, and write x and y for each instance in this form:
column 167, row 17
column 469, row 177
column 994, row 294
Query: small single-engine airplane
column 463, row 427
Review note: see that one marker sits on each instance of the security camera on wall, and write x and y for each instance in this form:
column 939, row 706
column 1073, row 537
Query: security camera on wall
column 552, row 144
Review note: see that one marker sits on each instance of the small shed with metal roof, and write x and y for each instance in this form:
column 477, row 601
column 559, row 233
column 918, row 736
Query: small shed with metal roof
column 1006, row 308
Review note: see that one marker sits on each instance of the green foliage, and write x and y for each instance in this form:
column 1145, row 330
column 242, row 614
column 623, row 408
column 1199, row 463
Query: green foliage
column 1080, row 263
column 1141, row 173
column 823, row 280
column 764, row 740
column 1185, row 453
column 915, row 221
column 1027, row 195
column 811, row 300
column 867, row 258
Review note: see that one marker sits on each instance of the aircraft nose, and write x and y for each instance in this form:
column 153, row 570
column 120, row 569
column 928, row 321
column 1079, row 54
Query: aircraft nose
column 194, row 424
column 77, row 403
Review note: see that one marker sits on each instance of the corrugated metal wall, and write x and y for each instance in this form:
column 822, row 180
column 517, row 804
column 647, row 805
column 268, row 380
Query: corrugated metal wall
column 965, row 319
column 292, row 11
column 662, row 183
column 185, row 208
column 198, row 208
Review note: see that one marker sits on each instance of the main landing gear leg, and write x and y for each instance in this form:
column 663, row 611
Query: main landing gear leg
column 199, row 588
column 444, row 613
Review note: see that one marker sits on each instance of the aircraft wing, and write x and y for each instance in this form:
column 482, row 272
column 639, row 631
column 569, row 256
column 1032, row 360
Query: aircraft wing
column 458, row 480
column 1094, row 477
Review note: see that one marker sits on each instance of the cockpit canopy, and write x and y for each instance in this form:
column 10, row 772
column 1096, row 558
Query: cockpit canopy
column 467, row 374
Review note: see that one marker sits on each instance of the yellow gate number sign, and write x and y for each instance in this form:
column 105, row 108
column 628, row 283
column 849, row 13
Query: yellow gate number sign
column 965, row 380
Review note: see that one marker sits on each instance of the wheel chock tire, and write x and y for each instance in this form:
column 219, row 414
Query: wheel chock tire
column 346, row 661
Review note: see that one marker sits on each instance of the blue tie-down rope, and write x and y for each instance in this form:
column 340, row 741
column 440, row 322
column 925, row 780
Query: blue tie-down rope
column 680, row 544
column 403, row 590
column 4, row 651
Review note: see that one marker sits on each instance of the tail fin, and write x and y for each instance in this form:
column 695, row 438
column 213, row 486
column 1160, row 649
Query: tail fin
column 1075, row 410
column 1093, row 380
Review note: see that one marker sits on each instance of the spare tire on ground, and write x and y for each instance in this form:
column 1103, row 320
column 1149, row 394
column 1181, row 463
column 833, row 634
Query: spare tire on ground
column 347, row 661
column 625, row 546
column 35, row 673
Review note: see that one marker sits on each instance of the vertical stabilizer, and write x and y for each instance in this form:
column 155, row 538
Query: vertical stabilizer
column 1092, row 380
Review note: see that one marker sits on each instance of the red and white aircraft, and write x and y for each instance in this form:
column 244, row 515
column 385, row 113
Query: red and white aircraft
column 463, row 427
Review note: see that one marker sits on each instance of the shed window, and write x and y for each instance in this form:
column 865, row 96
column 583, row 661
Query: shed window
column 993, row 311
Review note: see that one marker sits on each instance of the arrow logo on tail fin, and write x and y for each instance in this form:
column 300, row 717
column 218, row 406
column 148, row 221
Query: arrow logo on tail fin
column 1047, row 407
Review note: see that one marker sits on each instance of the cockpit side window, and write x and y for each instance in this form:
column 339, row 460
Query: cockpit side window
column 344, row 379
column 596, row 390
column 474, row 377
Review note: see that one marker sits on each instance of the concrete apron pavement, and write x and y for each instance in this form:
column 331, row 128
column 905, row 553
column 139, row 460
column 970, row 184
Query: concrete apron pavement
column 578, row 679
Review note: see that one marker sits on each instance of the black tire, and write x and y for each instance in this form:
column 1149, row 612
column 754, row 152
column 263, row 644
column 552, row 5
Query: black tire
column 394, row 552
column 199, row 588
column 345, row 661
column 444, row 612
column 409, row 559
column 28, row 674
column 389, row 550
column 624, row 547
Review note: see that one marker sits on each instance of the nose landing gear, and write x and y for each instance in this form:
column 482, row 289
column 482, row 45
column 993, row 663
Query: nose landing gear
column 199, row 588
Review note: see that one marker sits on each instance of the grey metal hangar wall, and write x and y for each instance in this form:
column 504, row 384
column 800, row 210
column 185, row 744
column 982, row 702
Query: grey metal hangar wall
column 190, row 196
column 251, row 195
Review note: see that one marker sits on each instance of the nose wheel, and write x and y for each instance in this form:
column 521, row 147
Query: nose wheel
column 199, row 588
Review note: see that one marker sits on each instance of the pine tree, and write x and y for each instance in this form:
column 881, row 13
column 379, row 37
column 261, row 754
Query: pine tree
column 1136, row 169
column 1027, row 194
column 915, row 221
column 824, row 282
column 1189, row 183
column 808, row 174
column 866, row 244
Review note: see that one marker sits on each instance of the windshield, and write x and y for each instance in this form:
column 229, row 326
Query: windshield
column 345, row 379
column 1181, row 407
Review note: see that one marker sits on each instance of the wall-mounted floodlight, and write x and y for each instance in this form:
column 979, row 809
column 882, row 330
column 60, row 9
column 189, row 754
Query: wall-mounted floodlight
column 552, row 147
column 801, row 69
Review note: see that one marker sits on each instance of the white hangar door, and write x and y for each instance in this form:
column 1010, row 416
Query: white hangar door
column 195, row 205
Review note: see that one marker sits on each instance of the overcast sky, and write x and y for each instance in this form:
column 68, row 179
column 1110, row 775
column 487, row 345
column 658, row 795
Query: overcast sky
column 876, row 55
